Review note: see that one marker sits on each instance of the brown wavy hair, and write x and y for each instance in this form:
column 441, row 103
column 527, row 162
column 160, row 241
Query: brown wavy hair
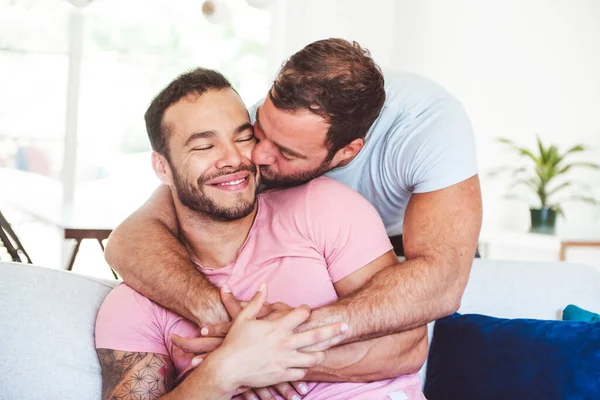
column 337, row 80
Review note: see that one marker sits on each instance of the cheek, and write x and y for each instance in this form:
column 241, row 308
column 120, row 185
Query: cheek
column 195, row 167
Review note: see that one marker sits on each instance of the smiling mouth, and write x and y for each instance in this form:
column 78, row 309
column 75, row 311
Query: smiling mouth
column 231, row 183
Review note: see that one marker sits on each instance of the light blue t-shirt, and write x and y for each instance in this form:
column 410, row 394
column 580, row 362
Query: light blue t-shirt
column 422, row 141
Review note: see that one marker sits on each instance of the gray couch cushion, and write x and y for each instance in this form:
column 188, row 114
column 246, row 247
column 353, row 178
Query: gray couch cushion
column 47, row 334
column 540, row 290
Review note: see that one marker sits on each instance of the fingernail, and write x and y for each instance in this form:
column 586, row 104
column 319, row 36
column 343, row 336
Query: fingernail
column 344, row 327
column 303, row 388
column 204, row 331
column 262, row 287
column 295, row 397
column 244, row 303
column 196, row 361
column 226, row 288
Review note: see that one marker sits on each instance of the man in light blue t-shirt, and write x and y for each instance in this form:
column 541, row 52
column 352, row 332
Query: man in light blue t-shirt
column 402, row 142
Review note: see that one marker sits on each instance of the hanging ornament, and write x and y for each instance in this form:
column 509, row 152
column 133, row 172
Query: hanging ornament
column 215, row 11
column 259, row 3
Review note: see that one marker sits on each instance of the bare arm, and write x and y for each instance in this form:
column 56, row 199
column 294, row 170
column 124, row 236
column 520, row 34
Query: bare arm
column 146, row 252
column 440, row 237
column 373, row 359
column 149, row 376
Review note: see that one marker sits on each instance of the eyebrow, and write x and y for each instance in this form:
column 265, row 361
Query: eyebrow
column 281, row 148
column 211, row 134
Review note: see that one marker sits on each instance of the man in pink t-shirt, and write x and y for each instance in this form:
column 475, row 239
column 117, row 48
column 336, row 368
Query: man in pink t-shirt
column 311, row 244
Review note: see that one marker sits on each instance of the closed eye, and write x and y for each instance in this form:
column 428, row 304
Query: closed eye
column 203, row 148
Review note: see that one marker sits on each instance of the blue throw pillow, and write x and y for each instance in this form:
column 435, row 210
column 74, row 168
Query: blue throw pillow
column 479, row 357
column 574, row 313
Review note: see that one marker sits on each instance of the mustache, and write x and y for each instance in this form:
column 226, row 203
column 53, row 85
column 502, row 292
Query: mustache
column 250, row 168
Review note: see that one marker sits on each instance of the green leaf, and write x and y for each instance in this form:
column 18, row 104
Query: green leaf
column 575, row 149
column 531, row 182
column 585, row 164
column 560, row 187
column 583, row 198
column 541, row 149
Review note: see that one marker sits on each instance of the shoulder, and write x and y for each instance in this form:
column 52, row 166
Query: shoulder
column 409, row 86
column 124, row 305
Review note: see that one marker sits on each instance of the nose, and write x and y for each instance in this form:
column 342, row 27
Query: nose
column 230, row 157
column 263, row 153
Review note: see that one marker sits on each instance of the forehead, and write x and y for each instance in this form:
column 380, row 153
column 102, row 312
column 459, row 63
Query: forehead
column 298, row 128
column 215, row 110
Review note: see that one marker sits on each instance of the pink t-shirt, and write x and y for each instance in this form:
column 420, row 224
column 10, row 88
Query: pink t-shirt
column 303, row 240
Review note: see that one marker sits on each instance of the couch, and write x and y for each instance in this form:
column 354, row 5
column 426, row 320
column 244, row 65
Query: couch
column 47, row 318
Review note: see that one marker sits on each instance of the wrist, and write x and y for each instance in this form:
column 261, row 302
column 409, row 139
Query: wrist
column 210, row 378
column 331, row 314
column 205, row 305
column 219, row 366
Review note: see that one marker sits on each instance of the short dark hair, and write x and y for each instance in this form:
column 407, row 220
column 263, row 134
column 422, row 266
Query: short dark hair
column 337, row 80
column 195, row 82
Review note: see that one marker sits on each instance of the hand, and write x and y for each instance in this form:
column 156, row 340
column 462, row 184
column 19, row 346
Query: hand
column 260, row 353
column 212, row 335
column 319, row 318
column 288, row 391
column 205, row 345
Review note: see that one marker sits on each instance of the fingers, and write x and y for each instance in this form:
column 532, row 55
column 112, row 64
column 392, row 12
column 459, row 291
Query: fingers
column 219, row 330
column 249, row 395
column 325, row 345
column 307, row 360
column 287, row 391
column 294, row 374
column 295, row 317
column 196, row 345
column 255, row 304
column 264, row 394
column 265, row 310
column 231, row 304
column 300, row 387
column 319, row 335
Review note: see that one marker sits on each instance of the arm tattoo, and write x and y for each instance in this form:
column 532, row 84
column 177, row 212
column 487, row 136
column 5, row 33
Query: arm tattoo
column 135, row 376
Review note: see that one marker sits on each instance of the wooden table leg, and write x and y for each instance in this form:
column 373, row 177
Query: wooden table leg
column 563, row 251
column 74, row 256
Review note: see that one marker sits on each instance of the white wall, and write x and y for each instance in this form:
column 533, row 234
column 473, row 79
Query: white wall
column 519, row 67
column 300, row 22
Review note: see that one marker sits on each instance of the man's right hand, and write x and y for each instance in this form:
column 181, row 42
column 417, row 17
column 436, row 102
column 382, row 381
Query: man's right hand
column 260, row 353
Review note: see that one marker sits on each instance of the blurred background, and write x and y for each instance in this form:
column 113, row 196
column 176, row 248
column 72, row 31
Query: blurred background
column 76, row 79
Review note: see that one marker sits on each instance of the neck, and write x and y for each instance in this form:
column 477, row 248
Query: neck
column 212, row 243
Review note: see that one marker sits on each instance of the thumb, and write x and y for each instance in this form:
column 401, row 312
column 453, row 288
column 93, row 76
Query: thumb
column 231, row 304
column 255, row 304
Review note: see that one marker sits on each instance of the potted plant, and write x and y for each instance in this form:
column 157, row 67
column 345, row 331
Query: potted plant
column 544, row 172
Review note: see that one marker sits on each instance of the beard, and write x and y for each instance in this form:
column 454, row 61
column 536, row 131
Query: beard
column 273, row 180
column 196, row 199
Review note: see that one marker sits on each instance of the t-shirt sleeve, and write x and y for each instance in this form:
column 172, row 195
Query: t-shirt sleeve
column 344, row 226
column 128, row 321
column 440, row 149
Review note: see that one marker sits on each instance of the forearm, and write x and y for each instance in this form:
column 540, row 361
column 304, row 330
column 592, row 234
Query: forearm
column 146, row 252
column 399, row 298
column 206, row 382
column 373, row 359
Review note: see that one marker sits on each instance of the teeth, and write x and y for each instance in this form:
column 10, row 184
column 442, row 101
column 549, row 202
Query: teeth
column 232, row 182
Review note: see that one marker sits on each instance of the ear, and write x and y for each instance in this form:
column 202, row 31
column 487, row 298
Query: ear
column 162, row 169
column 348, row 152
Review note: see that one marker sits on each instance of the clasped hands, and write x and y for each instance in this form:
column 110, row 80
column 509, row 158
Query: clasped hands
column 270, row 346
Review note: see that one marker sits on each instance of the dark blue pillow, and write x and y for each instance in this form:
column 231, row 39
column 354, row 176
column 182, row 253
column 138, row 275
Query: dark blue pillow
column 479, row 357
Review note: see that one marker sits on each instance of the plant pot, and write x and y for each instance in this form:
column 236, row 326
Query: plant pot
column 543, row 220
